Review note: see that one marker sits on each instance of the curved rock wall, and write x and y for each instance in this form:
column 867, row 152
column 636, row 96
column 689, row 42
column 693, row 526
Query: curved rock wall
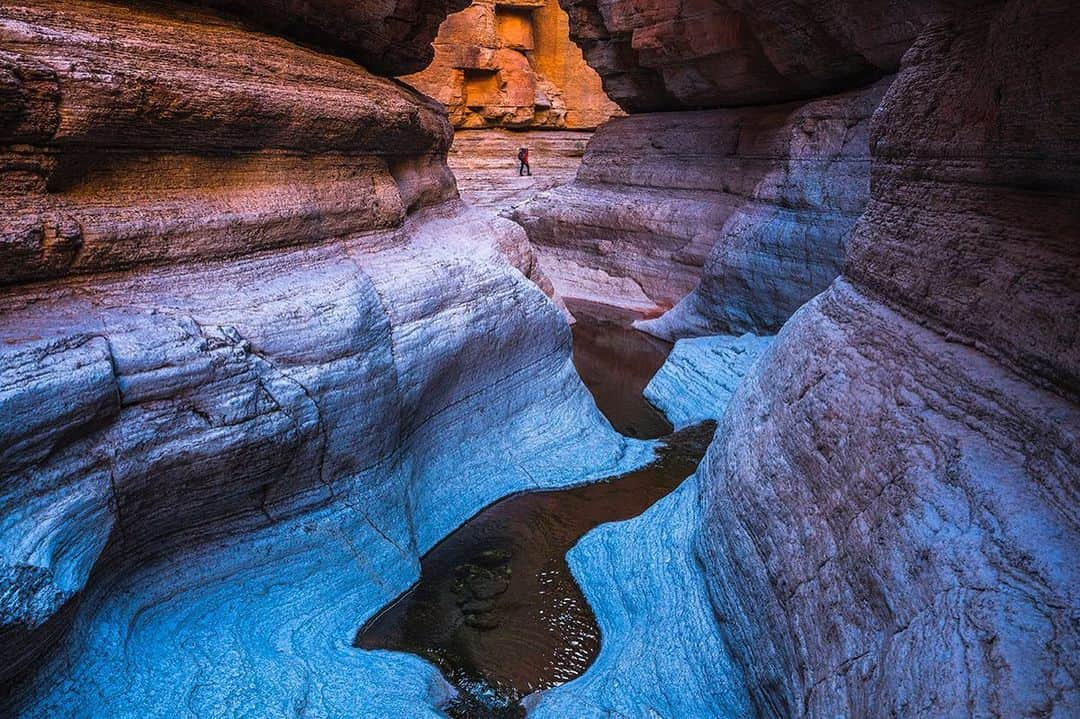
column 754, row 203
column 511, row 64
column 694, row 54
column 254, row 360
column 890, row 508
column 389, row 38
column 887, row 519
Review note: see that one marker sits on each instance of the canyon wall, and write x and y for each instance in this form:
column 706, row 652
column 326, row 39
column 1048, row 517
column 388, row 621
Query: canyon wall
column 761, row 198
column 895, row 487
column 255, row 358
column 887, row 518
column 512, row 64
column 743, row 165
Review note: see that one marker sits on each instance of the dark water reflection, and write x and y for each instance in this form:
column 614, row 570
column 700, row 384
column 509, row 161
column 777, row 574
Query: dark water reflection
column 496, row 607
column 616, row 362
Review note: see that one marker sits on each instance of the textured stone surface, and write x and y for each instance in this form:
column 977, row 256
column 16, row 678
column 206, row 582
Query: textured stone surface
column 891, row 525
column 974, row 220
column 267, row 445
column 891, row 508
column 511, row 64
column 693, row 54
column 701, row 374
column 760, row 197
column 119, row 154
column 254, row 360
column 392, row 37
column 662, row 653
column 485, row 164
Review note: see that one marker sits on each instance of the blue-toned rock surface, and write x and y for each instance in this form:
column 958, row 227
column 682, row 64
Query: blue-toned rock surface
column 662, row 653
column 891, row 525
column 255, row 358
column 735, row 217
column 701, row 374
column 274, row 443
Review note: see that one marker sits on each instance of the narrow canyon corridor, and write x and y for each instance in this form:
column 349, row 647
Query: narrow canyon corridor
column 759, row 398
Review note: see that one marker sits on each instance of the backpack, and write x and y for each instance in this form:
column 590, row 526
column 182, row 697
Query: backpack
column 521, row 155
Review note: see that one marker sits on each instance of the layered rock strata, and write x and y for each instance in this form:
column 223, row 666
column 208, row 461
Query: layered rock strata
column 116, row 153
column 662, row 652
column 511, row 64
column 895, row 488
column 487, row 171
column 694, row 54
column 388, row 38
column 255, row 360
column 887, row 517
column 754, row 203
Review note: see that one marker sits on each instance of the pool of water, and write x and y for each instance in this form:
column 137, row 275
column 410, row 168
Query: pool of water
column 496, row 607
column 616, row 362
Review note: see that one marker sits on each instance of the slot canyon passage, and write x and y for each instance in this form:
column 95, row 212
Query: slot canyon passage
column 760, row 398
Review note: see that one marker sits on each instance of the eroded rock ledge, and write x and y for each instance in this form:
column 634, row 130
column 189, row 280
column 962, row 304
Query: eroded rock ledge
column 254, row 359
column 754, row 203
column 887, row 518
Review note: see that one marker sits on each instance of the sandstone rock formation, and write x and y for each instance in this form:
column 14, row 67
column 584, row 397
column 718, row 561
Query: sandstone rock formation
column 389, row 38
column 761, row 197
column 662, row 653
column 693, row 54
column 255, row 358
column 486, row 168
column 896, row 486
column 511, row 64
column 888, row 515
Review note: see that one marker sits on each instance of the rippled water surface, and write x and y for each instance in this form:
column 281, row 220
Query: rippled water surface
column 496, row 607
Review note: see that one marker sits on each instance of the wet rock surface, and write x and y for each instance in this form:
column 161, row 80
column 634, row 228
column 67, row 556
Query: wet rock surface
column 616, row 362
column 256, row 359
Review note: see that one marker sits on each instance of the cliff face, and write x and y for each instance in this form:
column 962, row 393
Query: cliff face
column 512, row 64
column 118, row 154
column 255, row 359
column 896, row 487
column 753, row 198
column 693, row 54
column 887, row 517
column 754, row 203
column 389, row 38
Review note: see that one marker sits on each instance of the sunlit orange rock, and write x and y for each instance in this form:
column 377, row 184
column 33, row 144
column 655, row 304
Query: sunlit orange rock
column 512, row 64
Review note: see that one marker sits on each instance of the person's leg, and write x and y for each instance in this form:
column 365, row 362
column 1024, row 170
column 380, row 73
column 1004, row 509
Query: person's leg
column 528, row 169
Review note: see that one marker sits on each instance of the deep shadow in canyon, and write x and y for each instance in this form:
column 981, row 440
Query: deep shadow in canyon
column 616, row 362
column 496, row 607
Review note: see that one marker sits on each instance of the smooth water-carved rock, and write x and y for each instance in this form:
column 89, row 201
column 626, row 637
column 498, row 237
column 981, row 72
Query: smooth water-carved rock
column 496, row 607
column 127, row 157
column 257, row 396
column 701, row 374
column 662, row 651
column 389, row 38
column 511, row 64
column 887, row 516
column 754, row 203
column 488, row 173
column 662, row 56
column 255, row 360
column 890, row 512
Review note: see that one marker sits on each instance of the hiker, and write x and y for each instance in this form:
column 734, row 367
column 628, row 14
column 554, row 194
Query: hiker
column 523, row 158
